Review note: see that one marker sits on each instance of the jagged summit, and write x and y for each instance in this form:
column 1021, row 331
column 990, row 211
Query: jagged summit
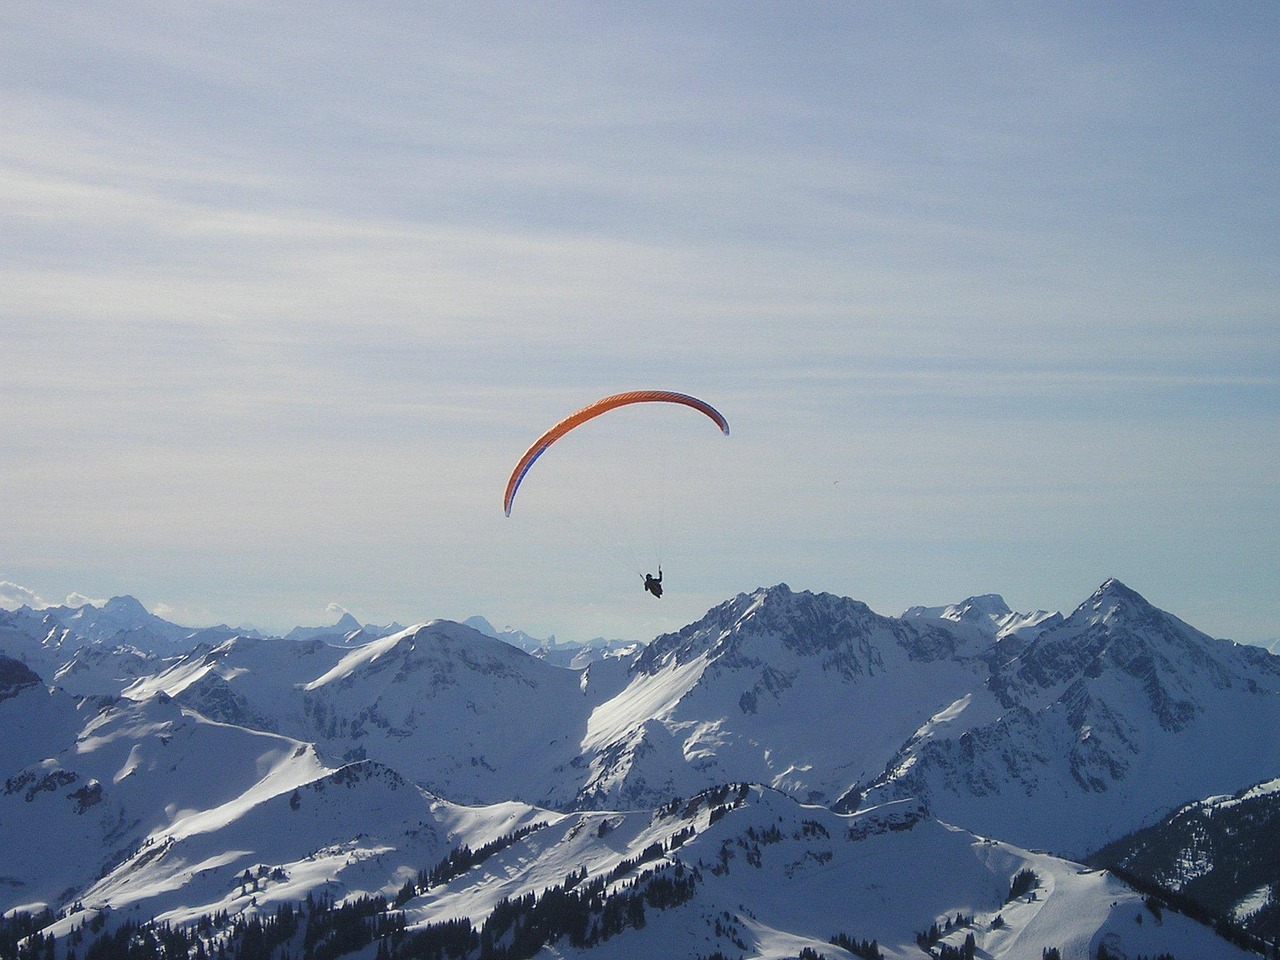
column 1117, row 621
column 1116, row 609
column 802, row 622
column 1117, row 634
column 987, row 618
column 973, row 609
column 1114, row 599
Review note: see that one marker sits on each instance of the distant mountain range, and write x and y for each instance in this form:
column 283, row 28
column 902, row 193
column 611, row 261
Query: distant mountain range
column 790, row 768
column 124, row 621
column 573, row 655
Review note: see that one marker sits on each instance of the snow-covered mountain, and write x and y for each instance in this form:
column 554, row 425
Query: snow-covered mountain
column 1099, row 725
column 122, row 621
column 93, row 651
column 808, row 693
column 475, row 784
column 99, row 670
column 359, row 829
column 517, row 638
column 96, row 651
column 1059, row 733
column 149, row 807
column 989, row 616
column 757, row 690
column 699, row 877
column 122, row 772
column 466, row 716
column 1063, row 738
column 37, row 640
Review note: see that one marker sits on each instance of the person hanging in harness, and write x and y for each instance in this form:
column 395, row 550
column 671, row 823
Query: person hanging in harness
column 652, row 585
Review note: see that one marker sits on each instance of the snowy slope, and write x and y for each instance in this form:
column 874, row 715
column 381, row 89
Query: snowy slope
column 147, row 806
column 466, row 716
column 36, row 721
column 39, row 641
column 358, row 830
column 809, row 693
column 887, row 874
column 251, row 681
column 100, row 670
column 1222, row 852
column 110, row 776
column 78, row 663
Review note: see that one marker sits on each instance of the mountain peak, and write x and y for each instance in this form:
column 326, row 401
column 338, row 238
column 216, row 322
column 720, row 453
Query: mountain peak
column 344, row 627
column 988, row 606
column 482, row 625
column 347, row 622
column 1111, row 587
column 125, row 606
column 804, row 622
column 1113, row 600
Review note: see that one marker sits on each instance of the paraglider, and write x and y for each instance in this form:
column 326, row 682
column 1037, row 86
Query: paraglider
column 592, row 411
column 652, row 585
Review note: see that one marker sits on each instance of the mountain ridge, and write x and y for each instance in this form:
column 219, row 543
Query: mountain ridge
column 791, row 763
column 1118, row 689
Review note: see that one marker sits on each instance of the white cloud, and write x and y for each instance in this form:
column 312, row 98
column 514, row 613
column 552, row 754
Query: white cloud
column 80, row 600
column 182, row 614
column 13, row 596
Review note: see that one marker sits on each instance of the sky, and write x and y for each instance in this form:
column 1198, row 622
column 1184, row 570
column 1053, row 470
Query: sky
column 989, row 294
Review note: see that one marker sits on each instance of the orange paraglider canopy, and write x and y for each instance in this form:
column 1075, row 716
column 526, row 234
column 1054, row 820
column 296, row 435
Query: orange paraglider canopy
column 594, row 410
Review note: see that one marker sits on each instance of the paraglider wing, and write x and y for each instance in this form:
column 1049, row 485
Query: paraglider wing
column 594, row 410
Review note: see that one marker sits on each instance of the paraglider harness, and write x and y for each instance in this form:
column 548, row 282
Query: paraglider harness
column 652, row 585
